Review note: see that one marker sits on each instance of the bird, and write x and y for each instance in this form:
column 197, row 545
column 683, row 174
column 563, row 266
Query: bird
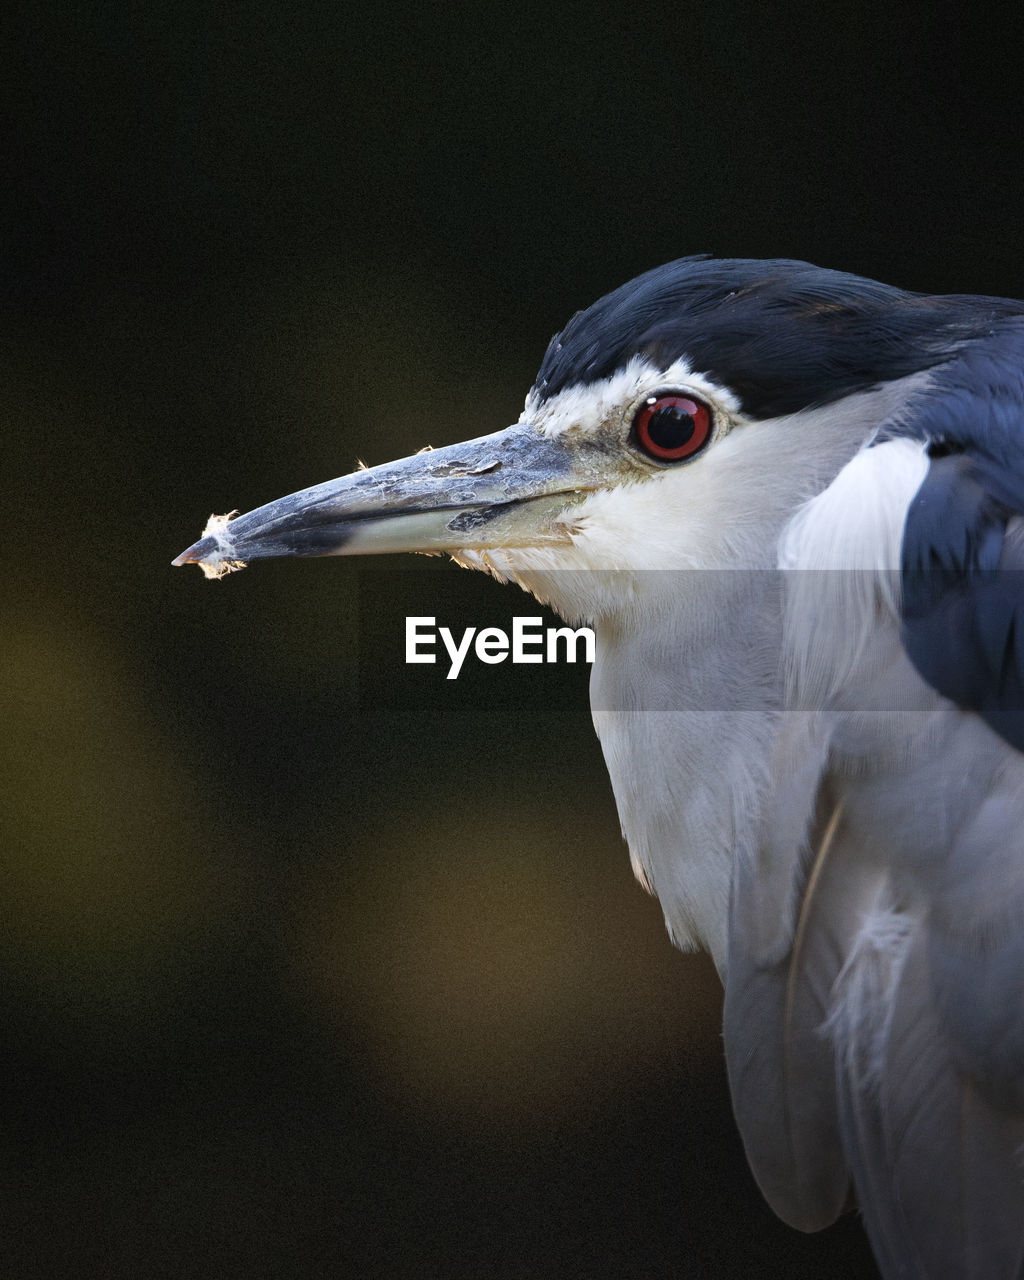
column 789, row 500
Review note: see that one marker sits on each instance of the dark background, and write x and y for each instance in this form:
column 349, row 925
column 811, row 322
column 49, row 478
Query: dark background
column 306, row 971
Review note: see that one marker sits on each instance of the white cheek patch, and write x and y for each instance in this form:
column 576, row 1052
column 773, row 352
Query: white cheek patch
column 585, row 409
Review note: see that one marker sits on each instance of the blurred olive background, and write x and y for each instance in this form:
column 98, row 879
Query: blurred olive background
column 312, row 964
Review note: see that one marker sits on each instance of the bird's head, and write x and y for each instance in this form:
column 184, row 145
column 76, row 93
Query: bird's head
column 676, row 423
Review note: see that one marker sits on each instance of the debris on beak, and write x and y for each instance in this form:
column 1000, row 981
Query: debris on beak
column 212, row 548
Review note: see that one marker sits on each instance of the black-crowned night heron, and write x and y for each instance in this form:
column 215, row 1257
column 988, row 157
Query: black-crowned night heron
column 789, row 502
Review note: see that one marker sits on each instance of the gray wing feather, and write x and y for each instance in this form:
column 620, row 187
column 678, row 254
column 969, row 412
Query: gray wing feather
column 937, row 1167
column 779, row 1062
column 875, row 1028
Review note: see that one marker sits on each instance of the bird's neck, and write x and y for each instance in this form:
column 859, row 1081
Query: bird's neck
column 687, row 725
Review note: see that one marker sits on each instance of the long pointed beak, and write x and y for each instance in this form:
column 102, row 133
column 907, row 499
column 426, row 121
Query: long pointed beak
column 502, row 490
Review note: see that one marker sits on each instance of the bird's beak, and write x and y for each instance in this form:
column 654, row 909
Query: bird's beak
column 504, row 490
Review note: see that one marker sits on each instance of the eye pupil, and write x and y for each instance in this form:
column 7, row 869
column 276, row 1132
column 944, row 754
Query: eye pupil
column 669, row 428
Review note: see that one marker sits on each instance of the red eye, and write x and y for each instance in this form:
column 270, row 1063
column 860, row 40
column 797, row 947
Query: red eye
column 670, row 428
